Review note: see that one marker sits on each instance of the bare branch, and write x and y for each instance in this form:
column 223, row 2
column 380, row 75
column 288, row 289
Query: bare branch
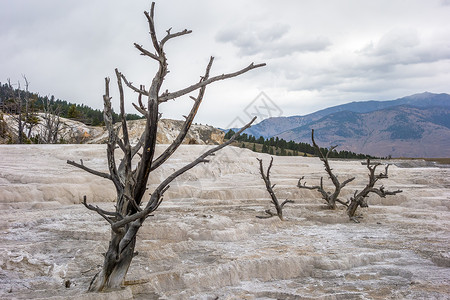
column 187, row 124
column 101, row 174
column 286, row 201
column 269, row 213
column 112, row 136
column 143, row 112
column 151, row 24
column 173, row 35
column 105, row 214
column 126, row 142
column 146, row 52
column 141, row 91
column 304, row 186
column 168, row 96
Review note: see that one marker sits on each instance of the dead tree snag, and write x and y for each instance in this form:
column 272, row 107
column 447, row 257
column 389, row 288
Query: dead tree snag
column 330, row 198
column 359, row 199
column 279, row 207
column 130, row 180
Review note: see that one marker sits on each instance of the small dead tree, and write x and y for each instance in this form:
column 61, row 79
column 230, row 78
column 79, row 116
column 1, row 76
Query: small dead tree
column 3, row 126
column 330, row 198
column 130, row 179
column 279, row 207
column 14, row 107
column 18, row 107
column 52, row 125
column 359, row 199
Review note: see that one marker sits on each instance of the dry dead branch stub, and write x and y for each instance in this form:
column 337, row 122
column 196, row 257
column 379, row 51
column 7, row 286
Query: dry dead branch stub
column 269, row 186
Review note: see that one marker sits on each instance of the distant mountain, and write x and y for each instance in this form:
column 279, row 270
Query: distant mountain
column 274, row 126
column 400, row 131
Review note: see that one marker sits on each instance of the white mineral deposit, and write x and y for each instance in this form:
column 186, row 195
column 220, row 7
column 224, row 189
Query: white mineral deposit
column 205, row 241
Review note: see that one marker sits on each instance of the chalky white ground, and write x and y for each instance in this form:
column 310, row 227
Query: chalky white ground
column 205, row 241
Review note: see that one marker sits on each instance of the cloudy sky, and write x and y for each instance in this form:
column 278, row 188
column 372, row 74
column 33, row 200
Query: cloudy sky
column 319, row 53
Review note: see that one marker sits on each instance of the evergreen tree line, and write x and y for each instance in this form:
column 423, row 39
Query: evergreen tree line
column 81, row 113
column 277, row 146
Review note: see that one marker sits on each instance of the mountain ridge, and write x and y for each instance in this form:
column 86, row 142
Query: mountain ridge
column 398, row 131
column 273, row 126
column 412, row 126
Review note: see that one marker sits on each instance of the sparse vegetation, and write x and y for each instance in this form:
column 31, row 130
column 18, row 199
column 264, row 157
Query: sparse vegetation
column 78, row 112
column 280, row 147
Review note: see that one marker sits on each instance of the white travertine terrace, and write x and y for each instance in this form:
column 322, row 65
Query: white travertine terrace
column 205, row 241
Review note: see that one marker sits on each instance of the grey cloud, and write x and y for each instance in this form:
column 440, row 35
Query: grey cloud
column 270, row 42
column 403, row 46
column 396, row 41
column 288, row 47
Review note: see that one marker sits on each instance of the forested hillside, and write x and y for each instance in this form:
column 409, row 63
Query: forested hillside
column 36, row 102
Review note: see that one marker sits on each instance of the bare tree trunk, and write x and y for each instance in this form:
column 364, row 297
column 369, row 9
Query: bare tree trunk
column 359, row 199
column 330, row 198
column 130, row 180
column 269, row 187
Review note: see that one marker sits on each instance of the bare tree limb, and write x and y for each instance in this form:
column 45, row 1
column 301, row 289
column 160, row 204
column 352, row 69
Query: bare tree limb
column 151, row 23
column 141, row 91
column 173, row 35
column 112, row 137
column 187, row 124
column 169, row 96
column 146, row 52
column 97, row 173
column 105, row 214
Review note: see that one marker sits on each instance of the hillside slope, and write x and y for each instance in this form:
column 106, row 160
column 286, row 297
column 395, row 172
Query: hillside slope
column 274, row 126
column 400, row 131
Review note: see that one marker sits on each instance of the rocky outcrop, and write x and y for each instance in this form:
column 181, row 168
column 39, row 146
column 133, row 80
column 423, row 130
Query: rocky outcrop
column 167, row 132
column 74, row 132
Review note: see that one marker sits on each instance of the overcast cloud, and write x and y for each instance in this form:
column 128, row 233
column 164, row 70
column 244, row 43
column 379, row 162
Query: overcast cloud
column 319, row 53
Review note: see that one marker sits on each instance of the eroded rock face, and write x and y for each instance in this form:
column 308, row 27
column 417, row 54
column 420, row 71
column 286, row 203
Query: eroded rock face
column 205, row 242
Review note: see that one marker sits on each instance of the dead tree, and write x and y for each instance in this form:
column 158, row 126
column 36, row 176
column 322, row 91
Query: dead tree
column 359, row 199
column 129, row 179
column 269, row 187
column 14, row 109
column 330, row 198
column 52, row 125
column 3, row 126
column 18, row 107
